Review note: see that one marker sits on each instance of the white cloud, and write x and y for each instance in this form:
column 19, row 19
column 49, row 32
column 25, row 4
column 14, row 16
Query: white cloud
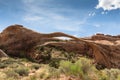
column 97, row 25
column 33, row 18
column 103, row 12
column 28, row 1
column 108, row 4
column 67, row 27
column 92, row 14
column 43, row 14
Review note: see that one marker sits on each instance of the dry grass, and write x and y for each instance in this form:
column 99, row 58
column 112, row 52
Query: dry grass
column 82, row 69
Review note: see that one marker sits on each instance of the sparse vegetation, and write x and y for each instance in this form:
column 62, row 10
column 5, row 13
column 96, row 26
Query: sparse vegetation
column 35, row 66
column 86, row 71
column 22, row 71
column 11, row 74
column 60, row 60
column 82, row 69
column 58, row 67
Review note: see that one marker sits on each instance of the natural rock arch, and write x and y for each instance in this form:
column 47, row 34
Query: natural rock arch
column 19, row 41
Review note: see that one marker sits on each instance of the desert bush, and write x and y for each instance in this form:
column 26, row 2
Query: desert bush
column 35, row 66
column 2, row 65
column 33, row 77
column 22, row 71
column 24, row 59
column 87, row 71
column 118, row 77
column 109, row 74
column 45, row 73
column 54, row 62
column 11, row 74
column 55, row 73
column 8, row 62
column 80, row 68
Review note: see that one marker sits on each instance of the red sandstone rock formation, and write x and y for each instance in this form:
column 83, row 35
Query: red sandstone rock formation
column 18, row 41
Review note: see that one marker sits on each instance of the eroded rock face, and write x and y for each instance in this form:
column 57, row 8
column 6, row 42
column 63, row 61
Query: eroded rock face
column 105, row 37
column 105, row 52
column 80, row 48
column 112, row 53
column 19, row 41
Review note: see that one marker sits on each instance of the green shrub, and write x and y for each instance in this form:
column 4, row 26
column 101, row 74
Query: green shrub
column 11, row 74
column 118, row 77
column 2, row 65
column 33, row 77
column 35, row 66
column 54, row 72
column 54, row 62
column 22, row 71
column 46, row 73
column 80, row 68
column 109, row 74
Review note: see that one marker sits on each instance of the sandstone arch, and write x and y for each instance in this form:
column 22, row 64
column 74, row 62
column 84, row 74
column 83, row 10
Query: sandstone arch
column 19, row 41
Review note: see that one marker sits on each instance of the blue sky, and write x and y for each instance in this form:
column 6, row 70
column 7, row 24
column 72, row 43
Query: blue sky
column 76, row 17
